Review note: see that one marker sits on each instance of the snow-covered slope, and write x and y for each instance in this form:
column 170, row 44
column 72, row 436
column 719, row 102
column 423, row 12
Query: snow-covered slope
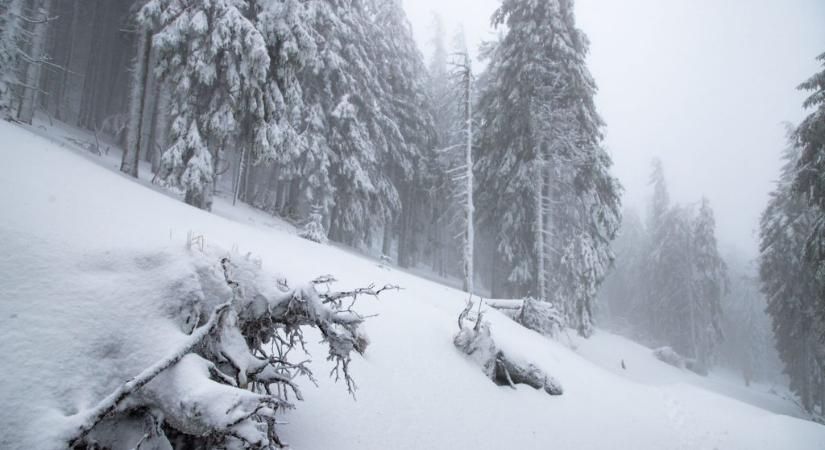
column 74, row 234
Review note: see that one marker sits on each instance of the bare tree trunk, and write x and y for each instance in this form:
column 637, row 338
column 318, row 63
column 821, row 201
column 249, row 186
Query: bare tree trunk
column 469, row 207
column 131, row 157
column 541, row 246
column 34, row 69
column 238, row 173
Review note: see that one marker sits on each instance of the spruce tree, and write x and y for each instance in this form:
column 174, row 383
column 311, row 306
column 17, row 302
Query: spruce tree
column 216, row 61
column 710, row 284
column 792, row 283
column 344, row 98
column 544, row 173
column 410, row 131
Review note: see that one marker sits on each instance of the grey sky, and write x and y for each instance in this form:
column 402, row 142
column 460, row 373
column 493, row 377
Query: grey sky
column 703, row 84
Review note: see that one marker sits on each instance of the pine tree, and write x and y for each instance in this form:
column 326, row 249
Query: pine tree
column 792, row 283
column 217, row 63
column 710, row 284
column 410, row 131
column 344, row 99
column 810, row 137
column 541, row 163
column 623, row 288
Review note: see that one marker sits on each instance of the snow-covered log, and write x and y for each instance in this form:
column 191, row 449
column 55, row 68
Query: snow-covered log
column 669, row 356
column 224, row 386
column 536, row 315
column 475, row 340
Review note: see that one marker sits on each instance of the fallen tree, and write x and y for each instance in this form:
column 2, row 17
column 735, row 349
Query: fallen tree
column 669, row 356
column 224, row 387
column 475, row 340
column 539, row 316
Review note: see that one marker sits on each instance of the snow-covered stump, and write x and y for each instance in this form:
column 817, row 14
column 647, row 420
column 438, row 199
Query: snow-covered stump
column 224, row 386
column 476, row 342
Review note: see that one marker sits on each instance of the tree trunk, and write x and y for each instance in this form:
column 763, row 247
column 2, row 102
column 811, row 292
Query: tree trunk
column 34, row 69
column 469, row 208
column 541, row 257
column 387, row 244
column 131, row 157
column 238, row 173
column 161, row 126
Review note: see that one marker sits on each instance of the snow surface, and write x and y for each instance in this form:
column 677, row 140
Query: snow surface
column 90, row 259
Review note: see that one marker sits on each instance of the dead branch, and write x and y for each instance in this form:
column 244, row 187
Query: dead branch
column 113, row 400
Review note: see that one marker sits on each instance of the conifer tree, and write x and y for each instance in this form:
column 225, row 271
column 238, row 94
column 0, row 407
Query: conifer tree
column 710, row 284
column 541, row 164
column 217, row 63
column 792, row 283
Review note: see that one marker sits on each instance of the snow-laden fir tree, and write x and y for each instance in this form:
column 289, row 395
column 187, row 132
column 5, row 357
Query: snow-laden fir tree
column 749, row 345
column 793, row 285
column 291, row 46
column 669, row 299
column 810, row 179
column 314, row 228
column 216, row 61
column 656, row 289
column 682, row 278
column 544, row 173
column 410, row 133
column 710, row 284
column 344, row 98
column 623, row 288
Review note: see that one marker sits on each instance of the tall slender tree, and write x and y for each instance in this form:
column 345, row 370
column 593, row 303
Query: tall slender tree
column 710, row 285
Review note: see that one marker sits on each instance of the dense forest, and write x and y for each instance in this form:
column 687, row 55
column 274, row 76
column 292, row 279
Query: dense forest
column 325, row 113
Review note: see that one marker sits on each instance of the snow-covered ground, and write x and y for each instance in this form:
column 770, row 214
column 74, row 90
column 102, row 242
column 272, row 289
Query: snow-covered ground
column 89, row 255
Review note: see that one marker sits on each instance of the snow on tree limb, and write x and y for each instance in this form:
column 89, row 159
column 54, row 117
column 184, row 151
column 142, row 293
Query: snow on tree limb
column 224, row 386
column 109, row 404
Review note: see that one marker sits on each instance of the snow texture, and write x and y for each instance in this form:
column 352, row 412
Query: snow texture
column 78, row 317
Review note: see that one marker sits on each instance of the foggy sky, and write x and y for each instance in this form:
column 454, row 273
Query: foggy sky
column 705, row 85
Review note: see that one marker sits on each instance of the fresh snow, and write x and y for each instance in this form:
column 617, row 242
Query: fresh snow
column 91, row 258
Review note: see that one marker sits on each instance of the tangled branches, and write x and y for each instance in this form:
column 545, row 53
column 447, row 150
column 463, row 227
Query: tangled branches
column 236, row 372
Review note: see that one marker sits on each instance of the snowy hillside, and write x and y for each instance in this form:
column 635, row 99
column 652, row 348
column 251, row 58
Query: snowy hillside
column 89, row 257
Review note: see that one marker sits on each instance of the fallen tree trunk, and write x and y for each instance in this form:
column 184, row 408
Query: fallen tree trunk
column 476, row 342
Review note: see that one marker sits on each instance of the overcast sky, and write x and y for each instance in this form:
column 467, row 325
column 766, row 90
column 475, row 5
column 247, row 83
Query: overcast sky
column 705, row 85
